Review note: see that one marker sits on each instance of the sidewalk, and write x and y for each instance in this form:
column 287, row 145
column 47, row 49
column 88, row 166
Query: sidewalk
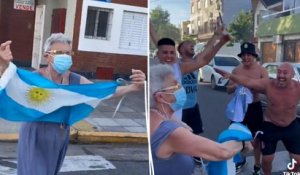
column 128, row 125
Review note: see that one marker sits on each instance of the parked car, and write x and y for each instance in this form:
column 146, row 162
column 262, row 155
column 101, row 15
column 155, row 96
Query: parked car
column 224, row 62
column 272, row 71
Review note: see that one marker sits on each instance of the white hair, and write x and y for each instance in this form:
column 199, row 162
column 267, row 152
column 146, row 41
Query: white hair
column 56, row 38
column 158, row 73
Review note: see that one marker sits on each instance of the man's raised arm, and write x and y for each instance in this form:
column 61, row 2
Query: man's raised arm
column 256, row 84
column 153, row 35
column 219, row 38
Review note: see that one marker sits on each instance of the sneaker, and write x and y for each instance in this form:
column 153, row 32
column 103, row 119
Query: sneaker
column 240, row 166
column 256, row 170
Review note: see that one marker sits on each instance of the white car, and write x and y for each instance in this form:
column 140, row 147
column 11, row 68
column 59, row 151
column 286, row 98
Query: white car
column 224, row 62
column 272, row 69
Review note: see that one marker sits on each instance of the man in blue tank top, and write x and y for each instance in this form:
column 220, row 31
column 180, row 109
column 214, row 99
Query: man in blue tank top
column 191, row 113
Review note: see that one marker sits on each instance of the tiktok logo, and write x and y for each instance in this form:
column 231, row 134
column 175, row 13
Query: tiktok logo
column 291, row 165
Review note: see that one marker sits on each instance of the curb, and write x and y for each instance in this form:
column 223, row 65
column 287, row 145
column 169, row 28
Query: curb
column 109, row 137
column 83, row 132
column 9, row 137
column 88, row 137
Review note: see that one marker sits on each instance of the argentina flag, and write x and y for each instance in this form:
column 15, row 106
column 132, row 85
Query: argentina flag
column 27, row 96
column 238, row 132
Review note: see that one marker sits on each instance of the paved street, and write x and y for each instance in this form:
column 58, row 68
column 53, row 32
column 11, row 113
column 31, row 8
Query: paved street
column 213, row 116
column 104, row 159
column 130, row 117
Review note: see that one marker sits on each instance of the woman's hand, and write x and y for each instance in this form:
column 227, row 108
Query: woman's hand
column 5, row 56
column 137, row 79
column 5, row 52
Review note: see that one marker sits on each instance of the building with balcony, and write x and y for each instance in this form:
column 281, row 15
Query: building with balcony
column 278, row 30
column 204, row 15
column 184, row 29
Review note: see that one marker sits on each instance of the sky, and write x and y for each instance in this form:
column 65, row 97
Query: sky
column 179, row 10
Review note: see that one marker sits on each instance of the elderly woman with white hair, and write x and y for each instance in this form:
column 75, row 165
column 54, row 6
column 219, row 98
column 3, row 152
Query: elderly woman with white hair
column 172, row 143
column 42, row 145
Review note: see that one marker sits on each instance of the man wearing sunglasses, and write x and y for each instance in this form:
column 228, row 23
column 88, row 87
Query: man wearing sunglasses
column 42, row 145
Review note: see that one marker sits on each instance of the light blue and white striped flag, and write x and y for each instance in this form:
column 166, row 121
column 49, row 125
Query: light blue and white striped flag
column 27, row 96
column 238, row 132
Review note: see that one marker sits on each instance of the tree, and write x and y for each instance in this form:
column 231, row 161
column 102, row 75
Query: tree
column 241, row 29
column 160, row 19
column 159, row 16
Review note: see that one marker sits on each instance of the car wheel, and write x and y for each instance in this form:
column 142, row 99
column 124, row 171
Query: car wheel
column 213, row 83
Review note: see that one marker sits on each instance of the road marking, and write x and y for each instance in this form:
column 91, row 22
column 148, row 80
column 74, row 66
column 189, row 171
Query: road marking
column 7, row 170
column 85, row 163
column 71, row 164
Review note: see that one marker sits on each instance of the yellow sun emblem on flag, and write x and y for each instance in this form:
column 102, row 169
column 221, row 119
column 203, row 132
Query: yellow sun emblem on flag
column 38, row 95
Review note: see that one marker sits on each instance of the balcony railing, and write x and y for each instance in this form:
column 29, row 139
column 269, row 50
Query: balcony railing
column 287, row 12
column 205, row 29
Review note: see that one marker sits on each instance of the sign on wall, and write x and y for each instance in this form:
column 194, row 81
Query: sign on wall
column 27, row 5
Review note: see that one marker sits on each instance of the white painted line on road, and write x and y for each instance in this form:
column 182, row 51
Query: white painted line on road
column 85, row 163
column 7, row 170
column 71, row 164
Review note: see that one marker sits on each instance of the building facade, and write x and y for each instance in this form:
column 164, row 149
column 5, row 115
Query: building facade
column 204, row 15
column 109, row 38
column 278, row 31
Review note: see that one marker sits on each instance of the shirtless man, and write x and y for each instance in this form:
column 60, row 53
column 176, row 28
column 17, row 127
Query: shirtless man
column 280, row 121
column 254, row 115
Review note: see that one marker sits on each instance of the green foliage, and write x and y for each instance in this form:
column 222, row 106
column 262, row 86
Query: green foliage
column 159, row 16
column 160, row 19
column 241, row 29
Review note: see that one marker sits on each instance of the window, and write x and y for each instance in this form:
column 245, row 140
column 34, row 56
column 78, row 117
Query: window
column 291, row 51
column 193, row 8
column 258, row 19
column 272, row 69
column 134, row 31
column 226, row 61
column 291, row 5
column 268, row 52
column 199, row 4
column 288, row 4
column 98, row 23
column 298, row 70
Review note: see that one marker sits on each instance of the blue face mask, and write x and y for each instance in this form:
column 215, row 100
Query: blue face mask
column 62, row 63
column 180, row 98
